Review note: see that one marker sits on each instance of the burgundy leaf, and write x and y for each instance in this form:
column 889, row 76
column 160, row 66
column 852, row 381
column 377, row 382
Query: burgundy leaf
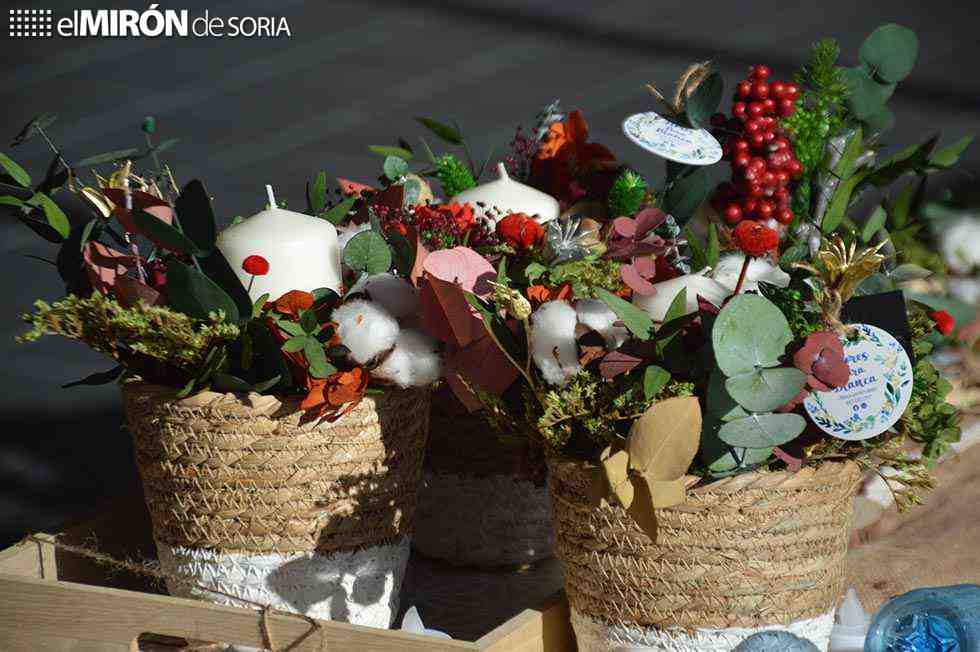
column 616, row 363
column 105, row 266
column 645, row 266
column 649, row 219
column 624, row 227
column 635, row 280
column 794, row 464
column 706, row 307
column 830, row 369
column 130, row 290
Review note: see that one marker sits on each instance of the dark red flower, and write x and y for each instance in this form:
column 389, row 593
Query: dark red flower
column 822, row 360
column 256, row 265
column 462, row 215
column 944, row 321
column 755, row 238
column 520, row 231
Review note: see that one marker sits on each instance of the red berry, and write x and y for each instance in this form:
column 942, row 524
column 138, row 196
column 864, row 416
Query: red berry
column 752, row 125
column 758, row 164
column 744, row 88
column 764, row 210
column 760, row 90
column 257, row 265
column 758, row 140
column 782, row 178
column 782, row 196
column 787, row 107
column 756, row 190
column 777, row 89
column 769, row 135
column 741, row 160
column 755, row 109
column 739, row 110
column 769, row 105
column 795, row 168
column 792, row 91
column 733, row 213
column 748, row 206
column 781, row 143
column 750, row 174
column 759, row 72
column 741, row 145
column 768, row 180
column 784, row 216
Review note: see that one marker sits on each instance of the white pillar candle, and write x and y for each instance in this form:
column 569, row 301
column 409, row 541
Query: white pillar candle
column 302, row 251
column 504, row 196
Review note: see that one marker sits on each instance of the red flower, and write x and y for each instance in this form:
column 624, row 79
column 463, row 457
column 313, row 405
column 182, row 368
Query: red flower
column 256, row 265
column 755, row 238
column 520, row 231
column 294, row 302
column 822, row 360
column 462, row 215
column 944, row 321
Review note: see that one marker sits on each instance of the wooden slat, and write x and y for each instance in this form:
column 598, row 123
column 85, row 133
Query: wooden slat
column 534, row 630
column 30, row 559
column 39, row 615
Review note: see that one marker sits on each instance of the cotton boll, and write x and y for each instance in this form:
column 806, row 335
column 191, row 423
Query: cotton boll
column 414, row 362
column 365, row 328
column 597, row 316
column 730, row 267
column 395, row 294
column 697, row 285
column 960, row 245
column 553, row 346
column 344, row 235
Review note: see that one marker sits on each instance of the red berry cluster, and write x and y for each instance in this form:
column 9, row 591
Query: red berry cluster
column 762, row 158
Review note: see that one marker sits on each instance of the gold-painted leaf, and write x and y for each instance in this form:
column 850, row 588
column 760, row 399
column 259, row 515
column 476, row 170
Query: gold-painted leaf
column 616, row 468
column 98, row 201
column 642, row 510
column 664, row 440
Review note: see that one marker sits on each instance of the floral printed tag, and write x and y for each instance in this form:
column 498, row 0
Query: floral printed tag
column 656, row 134
column 876, row 394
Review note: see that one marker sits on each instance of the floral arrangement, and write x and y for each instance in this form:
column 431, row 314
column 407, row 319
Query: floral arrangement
column 148, row 286
column 661, row 347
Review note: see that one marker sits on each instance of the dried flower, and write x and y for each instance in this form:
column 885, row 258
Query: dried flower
column 822, row 360
column 520, row 231
column 755, row 238
column 944, row 321
column 255, row 265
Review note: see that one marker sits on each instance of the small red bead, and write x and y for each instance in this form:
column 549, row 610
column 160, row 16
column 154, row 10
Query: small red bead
column 733, row 213
column 255, row 265
column 744, row 88
column 792, row 91
column 760, row 90
column 748, row 205
column 777, row 89
column 784, row 216
column 795, row 168
column 759, row 72
column 752, row 125
column 756, row 190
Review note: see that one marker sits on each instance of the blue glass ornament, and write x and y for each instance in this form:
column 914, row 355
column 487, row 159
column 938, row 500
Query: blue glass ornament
column 775, row 641
column 943, row 619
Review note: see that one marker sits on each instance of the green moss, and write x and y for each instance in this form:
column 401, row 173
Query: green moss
column 585, row 276
column 453, row 175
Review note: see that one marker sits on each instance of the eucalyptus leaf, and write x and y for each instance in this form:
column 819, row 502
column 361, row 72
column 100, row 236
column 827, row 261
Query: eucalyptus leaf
column 867, row 96
column 654, row 380
column 337, row 214
column 316, row 193
column 443, row 131
column 686, row 193
column 890, row 52
column 909, row 272
column 763, row 390
column 731, row 460
column 291, row 327
column 193, row 207
column 368, row 252
column 636, row 320
column 762, row 430
column 403, row 253
column 385, row 150
column 165, row 145
column 395, row 167
column 703, row 102
column 749, row 332
column 16, row 172
column 294, row 344
column 719, row 404
column 195, row 294
column 880, row 121
column 875, row 222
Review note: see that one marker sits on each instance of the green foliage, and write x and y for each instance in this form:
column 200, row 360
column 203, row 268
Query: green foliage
column 889, row 53
column 585, row 276
column 368, row 252
column 685, row 192
column 800, row 313
column 155, row 342
column 929, row 419
column 395, row 167
column 449, row 134
column 762, row 430
column 703, row 102
column 636, row 320
column 627, row 194
column 16, row 172
column 196, row 295
column 749, row 332
column 193, row 207
column 453, row 175
column 316, row 193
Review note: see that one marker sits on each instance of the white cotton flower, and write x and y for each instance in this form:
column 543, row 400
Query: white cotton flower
column 960, row 245
column 697, row 285
column 414, row 362
column 395, row 294
column 365, row 328
column 597, row 316
column 729, row 268
column 346, row 233
column 553, row 346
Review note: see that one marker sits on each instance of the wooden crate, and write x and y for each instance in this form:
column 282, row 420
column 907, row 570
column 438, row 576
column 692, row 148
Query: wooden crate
column 54, row 601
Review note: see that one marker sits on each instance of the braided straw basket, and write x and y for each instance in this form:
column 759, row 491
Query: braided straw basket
column 481, row 503
column 747, row 553
column 248, row 497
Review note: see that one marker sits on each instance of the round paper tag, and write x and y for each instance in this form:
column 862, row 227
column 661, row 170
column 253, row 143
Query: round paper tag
column 656, row 134
column 876, row 394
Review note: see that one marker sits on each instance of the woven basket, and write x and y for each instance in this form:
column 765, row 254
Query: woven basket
column 743, row 554
column 482, row 502
column 247, row 496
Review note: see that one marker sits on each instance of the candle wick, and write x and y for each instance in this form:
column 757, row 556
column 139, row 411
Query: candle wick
column 272, row 196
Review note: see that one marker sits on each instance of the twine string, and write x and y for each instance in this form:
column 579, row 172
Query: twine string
column 148, row 569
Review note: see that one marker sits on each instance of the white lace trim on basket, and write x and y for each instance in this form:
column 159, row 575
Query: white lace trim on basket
column 359, row 587
column 596, row 636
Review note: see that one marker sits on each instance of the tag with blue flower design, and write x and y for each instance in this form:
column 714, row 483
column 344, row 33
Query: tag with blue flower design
column 671, row 141
column 877, row 392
